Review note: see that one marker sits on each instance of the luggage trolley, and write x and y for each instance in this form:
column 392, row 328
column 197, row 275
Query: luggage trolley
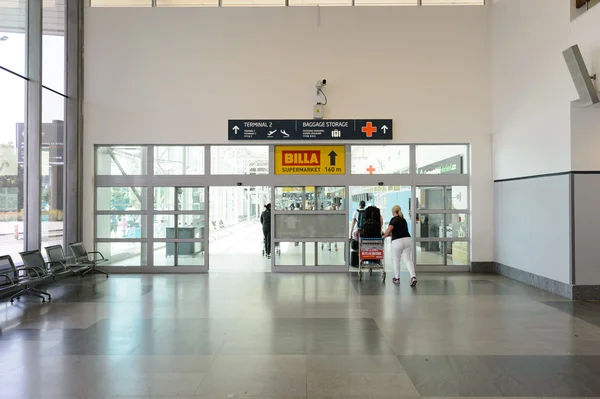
column 370, row 253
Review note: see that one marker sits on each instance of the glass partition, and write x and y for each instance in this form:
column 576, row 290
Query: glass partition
column 239, row 160
column 380, row 159
column 178, row 160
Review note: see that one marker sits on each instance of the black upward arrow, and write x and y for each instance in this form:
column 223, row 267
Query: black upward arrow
column 332, row 156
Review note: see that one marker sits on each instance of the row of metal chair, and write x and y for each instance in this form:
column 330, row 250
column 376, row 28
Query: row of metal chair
column 22, row 280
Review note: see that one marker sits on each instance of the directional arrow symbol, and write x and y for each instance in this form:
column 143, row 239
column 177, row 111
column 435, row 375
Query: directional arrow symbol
column 384, row 128
column 332, row 156
column 235, row 129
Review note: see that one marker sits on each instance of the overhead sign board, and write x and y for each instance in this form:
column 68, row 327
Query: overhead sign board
column 310, row 129
column 310, row 160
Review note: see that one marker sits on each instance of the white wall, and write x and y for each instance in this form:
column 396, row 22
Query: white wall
column 532, row 222
column 531, row 87
column 176, row 75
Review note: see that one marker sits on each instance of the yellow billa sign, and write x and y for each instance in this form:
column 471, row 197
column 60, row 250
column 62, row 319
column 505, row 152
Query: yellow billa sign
column 313, row 160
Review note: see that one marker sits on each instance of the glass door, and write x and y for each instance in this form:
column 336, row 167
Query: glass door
column 236, row 242
column 309, row 228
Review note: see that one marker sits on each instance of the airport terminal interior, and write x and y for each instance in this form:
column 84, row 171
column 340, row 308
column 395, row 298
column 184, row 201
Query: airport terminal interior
column 181, row 185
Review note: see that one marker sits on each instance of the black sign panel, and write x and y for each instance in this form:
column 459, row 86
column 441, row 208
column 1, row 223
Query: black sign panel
column 310, row 129
column 52, row 141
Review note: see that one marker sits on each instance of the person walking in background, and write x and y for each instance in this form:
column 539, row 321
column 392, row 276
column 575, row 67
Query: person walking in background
column 265, row 220
column 357, row 220
column 401, row 245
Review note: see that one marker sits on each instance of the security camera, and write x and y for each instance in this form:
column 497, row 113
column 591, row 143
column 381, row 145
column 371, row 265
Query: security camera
column 380, row 183
column 324, row 82
column 239, row 183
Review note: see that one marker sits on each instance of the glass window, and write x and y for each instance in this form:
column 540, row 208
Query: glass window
column 123, row 253
column 121, row 160
column 164, row 198
column 379, row 159
column 52, row 167
column 53, row 45
column 288, row 198
column 239, row 160
column 331, row 198
column 457, row 225
column 441, row 159
column 325, row 254
column 121, row 198
column 458, row 253
column 121, row 226
column 178, row 254
column 430, row 197
column 12, row 118
column 182, row 160
column 13, row 24
column 187, row 3
column 121, row 3
column 430, row 225
column 309, row 198
column 164, row 226
column 190, row 198
column 430, row 253
column 289, row 254
column 162, row 257
column 457, row 198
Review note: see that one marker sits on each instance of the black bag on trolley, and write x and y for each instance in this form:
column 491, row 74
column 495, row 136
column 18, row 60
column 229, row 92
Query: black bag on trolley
column 372, row 225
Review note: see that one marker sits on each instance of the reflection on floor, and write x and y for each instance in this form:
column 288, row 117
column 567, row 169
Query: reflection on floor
column 297, row 336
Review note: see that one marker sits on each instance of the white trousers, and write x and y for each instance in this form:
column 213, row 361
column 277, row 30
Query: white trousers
column 402, row 249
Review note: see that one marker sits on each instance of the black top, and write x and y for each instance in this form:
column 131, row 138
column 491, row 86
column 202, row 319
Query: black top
column 400, row 228
column 265, row 218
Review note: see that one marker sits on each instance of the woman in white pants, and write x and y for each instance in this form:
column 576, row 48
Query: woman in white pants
column 401, row 245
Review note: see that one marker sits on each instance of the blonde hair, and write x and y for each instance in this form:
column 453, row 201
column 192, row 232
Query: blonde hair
column 398, row 210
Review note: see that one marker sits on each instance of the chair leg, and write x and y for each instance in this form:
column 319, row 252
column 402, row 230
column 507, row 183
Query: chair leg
column 102, row 271
column 95, row 269
column 17, row 295
column 32, row 289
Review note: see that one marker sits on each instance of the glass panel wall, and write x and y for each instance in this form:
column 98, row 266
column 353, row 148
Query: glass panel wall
column 20, row 113
column 12, row 135
column 310, row 224
column 121, row 160
column 239, row 160
column 178, row 160
column 441, row 159
column 442, row 225
column 380, row 159
column 13, row 25
column 52, row 186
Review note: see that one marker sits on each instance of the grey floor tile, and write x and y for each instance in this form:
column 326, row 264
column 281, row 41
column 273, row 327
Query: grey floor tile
column 486, row 376
column 359, row 385
column 296, row 336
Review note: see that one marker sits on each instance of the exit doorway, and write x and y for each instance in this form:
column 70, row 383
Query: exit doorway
column 235, row 232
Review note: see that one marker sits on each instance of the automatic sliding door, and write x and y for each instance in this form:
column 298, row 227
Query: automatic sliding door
column 236, row 236
column 310, row 228
column 384, row 198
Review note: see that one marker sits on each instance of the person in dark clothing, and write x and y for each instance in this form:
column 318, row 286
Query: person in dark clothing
column 402, row 245
column 265, row 220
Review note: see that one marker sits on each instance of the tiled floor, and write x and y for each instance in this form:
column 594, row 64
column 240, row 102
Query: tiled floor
column 297, row 336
